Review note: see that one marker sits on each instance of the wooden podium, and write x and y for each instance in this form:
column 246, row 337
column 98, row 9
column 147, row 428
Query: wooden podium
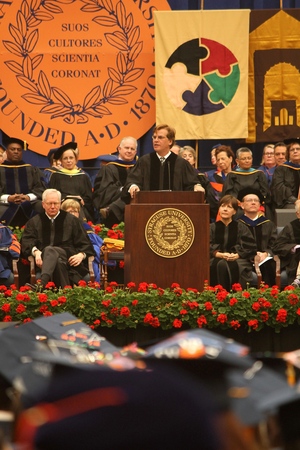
column 167, row 239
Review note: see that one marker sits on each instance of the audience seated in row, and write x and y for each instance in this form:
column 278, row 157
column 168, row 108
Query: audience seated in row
column 20, row 198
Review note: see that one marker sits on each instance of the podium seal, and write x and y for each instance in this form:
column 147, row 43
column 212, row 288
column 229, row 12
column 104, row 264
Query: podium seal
column 169, row 233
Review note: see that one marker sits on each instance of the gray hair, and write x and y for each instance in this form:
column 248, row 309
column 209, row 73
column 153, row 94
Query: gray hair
column 243, row 150
column 51, row 191
column 126, row 138
column 187, row 148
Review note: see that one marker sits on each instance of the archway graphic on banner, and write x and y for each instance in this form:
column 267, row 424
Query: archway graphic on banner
column 80, row 70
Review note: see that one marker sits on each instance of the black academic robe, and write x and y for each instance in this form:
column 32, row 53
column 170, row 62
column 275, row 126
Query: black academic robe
column 285, row 185
column 69, row 235
column 20, row 178
column 234, row 238
column 238, row 180
column 210, row 195
column 288, row 238
column 264, row 232
column 73, row 184
column 108, row 187
column 178, row 175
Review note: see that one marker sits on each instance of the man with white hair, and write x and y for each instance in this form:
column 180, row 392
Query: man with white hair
column 58, row 242
column 110, row 181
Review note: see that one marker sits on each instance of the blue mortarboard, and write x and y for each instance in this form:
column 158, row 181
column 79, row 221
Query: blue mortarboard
column 216, row 145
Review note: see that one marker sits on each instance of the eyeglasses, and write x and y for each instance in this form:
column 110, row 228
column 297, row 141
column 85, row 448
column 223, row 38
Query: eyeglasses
column 252, row 200
column 269, row 154
column 52, row 203
column 160, row 138
column 295, row 149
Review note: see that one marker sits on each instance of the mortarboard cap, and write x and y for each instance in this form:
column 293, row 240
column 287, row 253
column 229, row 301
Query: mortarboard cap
column 206, row 355
column 17, row 344
column 51, row 153
column 69, row 146
column 236, row 380
column 291, row 140
column 248, row 191
column 216, row 146
column 151, row 407
column 12, row 140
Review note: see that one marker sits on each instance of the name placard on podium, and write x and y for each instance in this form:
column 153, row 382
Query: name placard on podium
column 167, row 239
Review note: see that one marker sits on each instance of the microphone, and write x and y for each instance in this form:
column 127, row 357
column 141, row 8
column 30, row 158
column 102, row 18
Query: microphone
column 169, row 175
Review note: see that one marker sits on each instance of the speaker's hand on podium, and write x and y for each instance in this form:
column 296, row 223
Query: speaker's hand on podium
column 133, row 189
column 198, row 188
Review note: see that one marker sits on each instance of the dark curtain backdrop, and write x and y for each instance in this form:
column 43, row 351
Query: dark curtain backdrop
column 204, row 147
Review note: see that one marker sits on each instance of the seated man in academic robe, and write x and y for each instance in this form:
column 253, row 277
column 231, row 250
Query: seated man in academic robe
column 110, row 181
column 21, row 186
column 161, row 169
column 287, row 247
column 286, row 179
column 58, row 242
column 263, row 230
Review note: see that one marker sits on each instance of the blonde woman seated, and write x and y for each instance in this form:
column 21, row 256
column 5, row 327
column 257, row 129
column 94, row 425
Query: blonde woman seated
column 73, row 207
column 72, row 181
column 232, row 247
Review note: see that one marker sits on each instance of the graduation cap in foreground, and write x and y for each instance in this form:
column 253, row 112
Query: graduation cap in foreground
column 138, row 409
column 18, row 343
column 283, row 405
column 237, row 381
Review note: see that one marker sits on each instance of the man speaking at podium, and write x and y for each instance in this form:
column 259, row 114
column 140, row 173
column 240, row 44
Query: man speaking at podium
column 161, row 169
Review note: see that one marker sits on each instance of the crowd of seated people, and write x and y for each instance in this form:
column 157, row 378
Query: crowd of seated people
column 275, row 183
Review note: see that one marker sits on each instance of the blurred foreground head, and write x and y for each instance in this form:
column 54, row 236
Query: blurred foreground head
column 133, row 409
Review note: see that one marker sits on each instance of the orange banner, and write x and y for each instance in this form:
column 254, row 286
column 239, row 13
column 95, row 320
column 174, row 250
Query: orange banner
column 77, row 71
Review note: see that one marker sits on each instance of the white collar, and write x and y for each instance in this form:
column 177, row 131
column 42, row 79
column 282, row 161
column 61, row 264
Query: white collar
column 166, row 156
column 52, row 218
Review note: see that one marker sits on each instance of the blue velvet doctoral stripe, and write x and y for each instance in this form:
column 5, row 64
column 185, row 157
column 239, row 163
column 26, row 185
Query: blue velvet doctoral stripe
column 11, row 180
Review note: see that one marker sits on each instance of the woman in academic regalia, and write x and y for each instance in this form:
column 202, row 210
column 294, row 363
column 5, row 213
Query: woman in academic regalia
column 244, row 176
column 216, row 178
column 71, row 181
column 232, row 247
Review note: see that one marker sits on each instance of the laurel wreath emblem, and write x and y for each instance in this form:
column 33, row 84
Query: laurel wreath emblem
column 55, row 101
column 178, row 225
